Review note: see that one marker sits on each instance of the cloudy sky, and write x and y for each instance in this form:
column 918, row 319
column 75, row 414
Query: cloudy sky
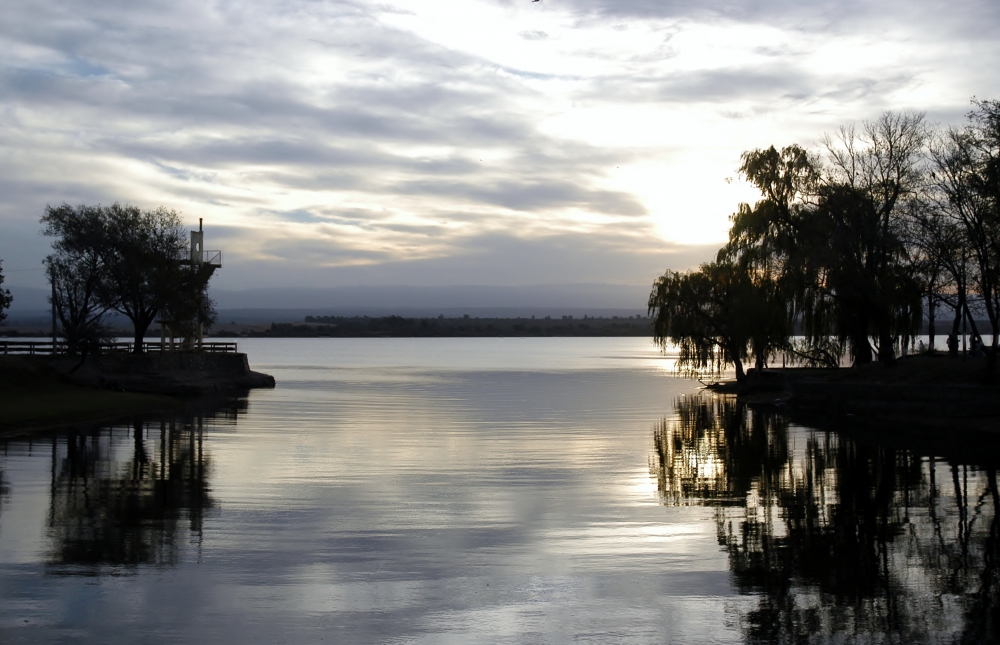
column 432, row 142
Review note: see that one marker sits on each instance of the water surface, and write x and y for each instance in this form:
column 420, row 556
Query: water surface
column 488, row 490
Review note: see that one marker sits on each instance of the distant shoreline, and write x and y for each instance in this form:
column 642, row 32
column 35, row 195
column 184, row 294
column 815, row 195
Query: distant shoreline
column 401, row 327
column 396, row 326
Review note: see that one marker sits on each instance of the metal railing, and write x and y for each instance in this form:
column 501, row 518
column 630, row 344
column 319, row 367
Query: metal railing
column 46, row 348
column 212, row 257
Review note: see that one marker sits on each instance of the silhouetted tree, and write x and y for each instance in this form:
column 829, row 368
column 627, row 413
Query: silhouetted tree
column 966, row 192
column 142, row 252
column 75, row 280
column 876, row 174
column 188, row 306
column 828, row 248
column 766, row 239
column 717, row 315
column 5, row 297
column 939, row 260
column 75, row 271
column 138, row 260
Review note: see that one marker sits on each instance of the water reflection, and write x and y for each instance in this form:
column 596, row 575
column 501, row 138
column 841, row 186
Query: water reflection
column 838, row 538
column 129, row 495
column 3, row 490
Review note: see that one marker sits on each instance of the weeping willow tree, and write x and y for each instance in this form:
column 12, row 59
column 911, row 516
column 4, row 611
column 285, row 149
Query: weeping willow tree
column 740, row 306
column 825, row 249
column 718, row 315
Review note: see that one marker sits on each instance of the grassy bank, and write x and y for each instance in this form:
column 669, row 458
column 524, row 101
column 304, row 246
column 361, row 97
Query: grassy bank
column 34, row 396
column 931, row 391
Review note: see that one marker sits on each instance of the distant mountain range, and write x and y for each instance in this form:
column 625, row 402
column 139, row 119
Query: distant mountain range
column 294, row 303
column 553, row 299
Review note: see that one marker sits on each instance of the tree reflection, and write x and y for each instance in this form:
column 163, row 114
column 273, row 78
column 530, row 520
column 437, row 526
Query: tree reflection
column 838, row 539
column 4, row 490
column 121, row 496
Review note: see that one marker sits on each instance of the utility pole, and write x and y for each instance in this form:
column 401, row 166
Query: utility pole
column 53, row 316
column 965, row 327
column 965, row 305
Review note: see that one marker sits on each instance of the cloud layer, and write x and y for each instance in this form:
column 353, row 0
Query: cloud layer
column 485, row 143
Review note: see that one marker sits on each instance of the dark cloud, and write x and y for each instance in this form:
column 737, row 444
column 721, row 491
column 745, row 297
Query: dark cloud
column 301, row 215
column 713, row 85
column 533, row 195
column 318, row 252
column 615, row 255
column 978, row 18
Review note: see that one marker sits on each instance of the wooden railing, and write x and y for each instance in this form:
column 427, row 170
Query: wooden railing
column 30, row 347
column 46, row 348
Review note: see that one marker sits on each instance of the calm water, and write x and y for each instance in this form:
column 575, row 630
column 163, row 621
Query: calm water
column 491, row 491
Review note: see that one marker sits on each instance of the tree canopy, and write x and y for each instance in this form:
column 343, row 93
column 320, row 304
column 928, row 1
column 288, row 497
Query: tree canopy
column 845, row 245
column 125, row 259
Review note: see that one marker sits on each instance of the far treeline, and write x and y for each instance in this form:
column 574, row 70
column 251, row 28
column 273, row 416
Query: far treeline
column 398, row 326
column 854, row 246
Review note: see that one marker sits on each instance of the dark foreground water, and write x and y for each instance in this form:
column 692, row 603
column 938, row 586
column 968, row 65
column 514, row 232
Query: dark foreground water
column 492, row 491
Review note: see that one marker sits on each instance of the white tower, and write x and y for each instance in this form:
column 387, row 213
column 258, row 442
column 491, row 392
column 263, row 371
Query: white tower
column 197, row 244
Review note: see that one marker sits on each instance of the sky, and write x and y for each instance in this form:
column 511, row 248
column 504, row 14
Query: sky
column 482, row 142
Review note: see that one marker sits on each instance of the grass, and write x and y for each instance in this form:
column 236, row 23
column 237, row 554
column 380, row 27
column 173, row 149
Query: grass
column 923, row 369
column 34, row 396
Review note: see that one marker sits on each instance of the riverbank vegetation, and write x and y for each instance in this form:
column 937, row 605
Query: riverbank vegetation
column 853, row 247
column 34, row 395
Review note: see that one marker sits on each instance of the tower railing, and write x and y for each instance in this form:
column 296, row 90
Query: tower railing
column 212, row 257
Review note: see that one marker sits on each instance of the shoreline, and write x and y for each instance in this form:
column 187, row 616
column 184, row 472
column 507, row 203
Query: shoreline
column 929, row 391
column 34, row 397
column 40, row 393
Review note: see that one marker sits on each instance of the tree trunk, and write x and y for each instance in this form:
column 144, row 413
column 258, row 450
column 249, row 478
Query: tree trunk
column 975, row 329
column 991, row 353
column 862, row 350
column 956, row 325
column 930, row 322
column 140, row 324
column 886, row 351
column 140, row 334
column 740, row 374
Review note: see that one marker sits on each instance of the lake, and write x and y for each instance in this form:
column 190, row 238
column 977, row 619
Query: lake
column 493, row 490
